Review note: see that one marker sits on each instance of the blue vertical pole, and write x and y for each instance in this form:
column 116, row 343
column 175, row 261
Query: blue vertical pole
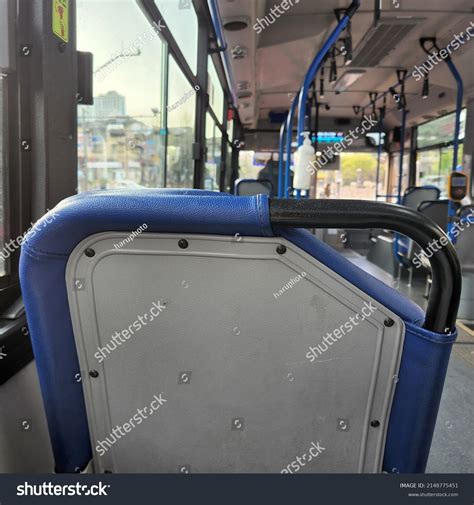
column 280, row 159
column 289, row 135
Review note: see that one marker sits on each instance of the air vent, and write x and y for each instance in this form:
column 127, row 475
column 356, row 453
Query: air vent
column 380, row 40
column 428, row 117
column 236, row 24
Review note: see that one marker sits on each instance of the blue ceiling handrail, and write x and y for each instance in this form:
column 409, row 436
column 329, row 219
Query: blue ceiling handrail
column 316, row 65
column 302, row 96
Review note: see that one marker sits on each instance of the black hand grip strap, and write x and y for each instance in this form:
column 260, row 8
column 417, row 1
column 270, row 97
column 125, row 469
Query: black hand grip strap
column 434, row 46
column 445, row 292
column 352, row 9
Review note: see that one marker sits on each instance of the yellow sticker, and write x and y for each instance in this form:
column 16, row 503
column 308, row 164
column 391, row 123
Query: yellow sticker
column 61, row 19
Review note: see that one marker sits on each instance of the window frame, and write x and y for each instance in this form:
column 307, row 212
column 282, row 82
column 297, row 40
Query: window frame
column 11, row 194
column 204, row 51
column 17, row 164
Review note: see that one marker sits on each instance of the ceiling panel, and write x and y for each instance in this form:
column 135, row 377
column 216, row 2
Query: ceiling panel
column 279, row 57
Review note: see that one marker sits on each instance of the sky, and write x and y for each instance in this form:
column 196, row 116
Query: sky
column 106, row 27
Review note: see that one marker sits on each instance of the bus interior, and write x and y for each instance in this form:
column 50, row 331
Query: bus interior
column 234, row 231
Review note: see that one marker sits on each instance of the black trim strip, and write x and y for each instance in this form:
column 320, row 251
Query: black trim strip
column 445, row 293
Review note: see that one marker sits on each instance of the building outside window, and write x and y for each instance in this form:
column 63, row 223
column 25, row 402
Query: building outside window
column 121, row 138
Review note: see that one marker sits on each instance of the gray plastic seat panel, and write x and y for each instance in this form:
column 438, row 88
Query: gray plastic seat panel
column 251, row 401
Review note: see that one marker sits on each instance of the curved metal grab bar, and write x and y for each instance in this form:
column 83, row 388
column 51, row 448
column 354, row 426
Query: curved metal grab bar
column 445, row 292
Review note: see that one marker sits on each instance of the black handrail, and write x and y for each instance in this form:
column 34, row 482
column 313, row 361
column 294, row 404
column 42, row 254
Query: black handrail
column 445, row 292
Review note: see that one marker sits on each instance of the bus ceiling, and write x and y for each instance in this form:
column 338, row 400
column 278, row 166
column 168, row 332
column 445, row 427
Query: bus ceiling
column 270, row 48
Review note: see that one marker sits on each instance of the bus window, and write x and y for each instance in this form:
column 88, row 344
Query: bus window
column 429, row 169
column 181, row 113
column 439, row 131
column 120, row 141
column 435, row 154
column 213, row 158
column 355, row 179
column 434, row 167
column 180, row 18
column 216, row 94
column 394, row 175
column 248, row 169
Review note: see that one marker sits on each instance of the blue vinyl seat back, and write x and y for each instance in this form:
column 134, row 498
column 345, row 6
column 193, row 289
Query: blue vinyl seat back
column 412, row 198
column 44, row 256
column 252, row 187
